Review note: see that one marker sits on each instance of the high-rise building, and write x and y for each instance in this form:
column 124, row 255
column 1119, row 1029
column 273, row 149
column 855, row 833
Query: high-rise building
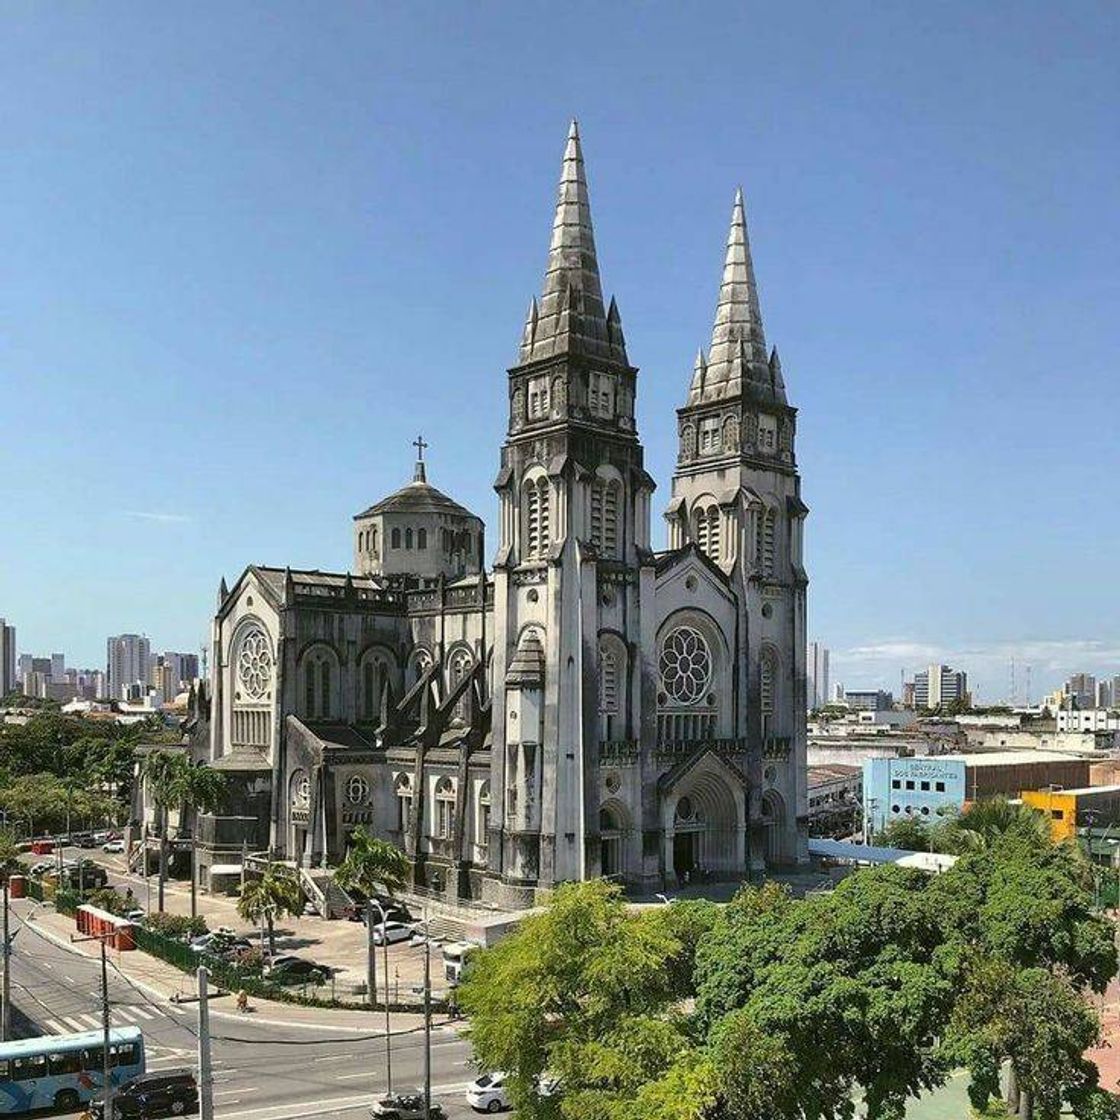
column 1104, row 694
column 1081, row 691
column 8, row 682
column 127, row 657
column 939, row 687
column 58, row 668
column 869, row 700
column 817, row 665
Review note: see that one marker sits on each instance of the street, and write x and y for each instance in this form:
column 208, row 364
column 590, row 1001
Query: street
column 261, row 1071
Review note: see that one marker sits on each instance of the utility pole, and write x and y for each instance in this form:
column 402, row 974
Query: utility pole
column 371, row 957
column 194, row 873
column 388, row 1028
column 427, row 1019
column 6, row 1011
column 106, row 1069
column 205, row 1078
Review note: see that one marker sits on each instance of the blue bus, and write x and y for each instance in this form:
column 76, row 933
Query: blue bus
column 64, row 1070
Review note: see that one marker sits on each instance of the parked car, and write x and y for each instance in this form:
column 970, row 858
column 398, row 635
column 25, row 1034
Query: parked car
column 219, row 942
column 488, row 1094
column 390, row 933
column 287, row 969
column 42, row 867
column 85, row 840
column 113, row 846
column 101, row 836
column 408, row 1105
column 168, row 1092
column 137, row 916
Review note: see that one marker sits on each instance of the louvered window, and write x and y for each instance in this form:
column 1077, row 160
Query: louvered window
column 767, row 533
column 537, row 525
column 707, row 532
column 608, row 682
column 604, row 517
column 767, row 684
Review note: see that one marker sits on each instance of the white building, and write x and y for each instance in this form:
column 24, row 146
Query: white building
column 940, row 686
column 817, row 667
column 1094, row 719
column 127, row 657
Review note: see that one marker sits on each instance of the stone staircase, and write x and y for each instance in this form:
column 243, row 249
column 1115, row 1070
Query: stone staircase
column 446, row 928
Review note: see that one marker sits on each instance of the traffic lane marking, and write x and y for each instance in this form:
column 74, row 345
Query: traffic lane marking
column 330, row 1104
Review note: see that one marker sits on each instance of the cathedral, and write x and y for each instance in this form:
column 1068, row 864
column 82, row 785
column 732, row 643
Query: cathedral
column 591, row 705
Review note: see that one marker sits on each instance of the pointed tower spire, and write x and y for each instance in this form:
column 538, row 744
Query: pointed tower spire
column 699, row 374
column 571, row 316
column 776, row 382
column 738, row 350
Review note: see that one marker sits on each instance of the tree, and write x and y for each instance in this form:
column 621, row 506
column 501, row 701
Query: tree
column 989, row 820
column 910, row 834
column 578, row 992
column 175, row 782
column 10, row 863
column 273, row 893
column 371, row 864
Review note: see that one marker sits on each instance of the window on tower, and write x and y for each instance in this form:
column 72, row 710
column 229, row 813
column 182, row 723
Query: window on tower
column 604, row 516
column 537, row 527
column 710, row 436
column 396, row 538
column 706, row 530
column 421, row 539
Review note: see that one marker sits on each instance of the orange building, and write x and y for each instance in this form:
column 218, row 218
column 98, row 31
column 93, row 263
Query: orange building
column 1071, row 809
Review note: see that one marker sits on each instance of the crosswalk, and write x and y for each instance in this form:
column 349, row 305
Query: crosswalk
column 83, row 1021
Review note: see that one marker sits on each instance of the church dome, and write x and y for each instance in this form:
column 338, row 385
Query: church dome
column 420, row 497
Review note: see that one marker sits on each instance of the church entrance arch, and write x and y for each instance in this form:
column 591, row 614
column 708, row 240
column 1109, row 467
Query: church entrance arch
column 774, row 822
column 612, row 835
column 704, row 821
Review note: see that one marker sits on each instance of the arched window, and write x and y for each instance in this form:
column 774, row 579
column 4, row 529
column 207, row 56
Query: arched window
column 419, row 664
column 317, row 685
column 604, row 516
column 706, row 531
column 403, row 790
column 459, row 666
column 445, row 808
column 357, row 790
column 408, row 538
column 482, row 833
column 767, row 532
column 372, row 538
column 396, row 538
column 421, row 539
column 375, row 674
column 686, row 702
column 611, row 667
column 537, row 523
column 769, row 683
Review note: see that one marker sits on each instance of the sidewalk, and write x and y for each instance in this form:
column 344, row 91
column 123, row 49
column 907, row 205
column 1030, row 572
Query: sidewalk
column 339, row 944
column 166, row 984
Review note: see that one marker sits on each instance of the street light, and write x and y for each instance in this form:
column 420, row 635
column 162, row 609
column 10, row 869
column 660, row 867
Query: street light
column 371, row 905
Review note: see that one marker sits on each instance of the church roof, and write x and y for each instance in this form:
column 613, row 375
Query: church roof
column 571, row 317
column 419, row 496
column 737, row 362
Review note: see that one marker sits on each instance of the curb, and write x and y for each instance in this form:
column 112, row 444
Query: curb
column 233, row 1016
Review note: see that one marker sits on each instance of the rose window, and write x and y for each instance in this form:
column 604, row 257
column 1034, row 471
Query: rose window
column 686, row 666
column 357, row 790
column 254, row 665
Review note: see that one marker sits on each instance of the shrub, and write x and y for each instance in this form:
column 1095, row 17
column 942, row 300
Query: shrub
column 106, row 898
column 177, row 926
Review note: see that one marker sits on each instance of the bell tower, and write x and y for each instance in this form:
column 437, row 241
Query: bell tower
column 737, row 496
column 574, row 572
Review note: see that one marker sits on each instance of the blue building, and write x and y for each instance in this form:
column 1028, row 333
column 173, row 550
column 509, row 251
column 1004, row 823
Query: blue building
column 916, row 787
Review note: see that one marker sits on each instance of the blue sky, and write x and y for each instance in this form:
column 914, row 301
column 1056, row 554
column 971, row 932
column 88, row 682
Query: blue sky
column 251, row 249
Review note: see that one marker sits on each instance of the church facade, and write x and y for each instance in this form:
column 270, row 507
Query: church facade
column 590, row 705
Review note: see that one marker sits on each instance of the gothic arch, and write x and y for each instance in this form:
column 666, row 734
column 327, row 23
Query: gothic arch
column 615, row 836
column 537, row 514
column 694, row 678
column 319, row 677
column 377, row 667
column 606, row 499
column 703, row 817
column 613, row 678
column 770, row 692
column 706, row 525
column 773, row 808
column 420, row 660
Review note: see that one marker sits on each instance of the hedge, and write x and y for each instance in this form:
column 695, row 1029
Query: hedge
column 229, row 976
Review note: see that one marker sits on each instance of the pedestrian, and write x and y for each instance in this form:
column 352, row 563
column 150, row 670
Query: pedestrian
column 242, row 1000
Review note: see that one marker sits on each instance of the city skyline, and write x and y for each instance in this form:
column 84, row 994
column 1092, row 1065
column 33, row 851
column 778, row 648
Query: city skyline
column 264, row 275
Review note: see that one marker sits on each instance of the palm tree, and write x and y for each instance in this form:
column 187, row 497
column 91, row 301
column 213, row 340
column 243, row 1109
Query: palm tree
column 990, row 820
column 176, row 782
column 371, row 863
column 275, row 892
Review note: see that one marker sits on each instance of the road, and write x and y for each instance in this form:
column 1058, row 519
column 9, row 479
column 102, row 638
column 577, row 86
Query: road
column 261, row 1071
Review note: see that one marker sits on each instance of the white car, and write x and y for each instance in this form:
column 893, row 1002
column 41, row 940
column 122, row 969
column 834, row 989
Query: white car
column 113, row 847
column 389, row 933
column 488, row 1093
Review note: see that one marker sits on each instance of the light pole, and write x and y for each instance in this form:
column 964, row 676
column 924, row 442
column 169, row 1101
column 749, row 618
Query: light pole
column 427, row 1018
column 106, row 1068
column 388, row 1029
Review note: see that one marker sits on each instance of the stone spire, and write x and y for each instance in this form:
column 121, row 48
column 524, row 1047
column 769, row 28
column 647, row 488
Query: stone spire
column 738, row 351
column 570, row 317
